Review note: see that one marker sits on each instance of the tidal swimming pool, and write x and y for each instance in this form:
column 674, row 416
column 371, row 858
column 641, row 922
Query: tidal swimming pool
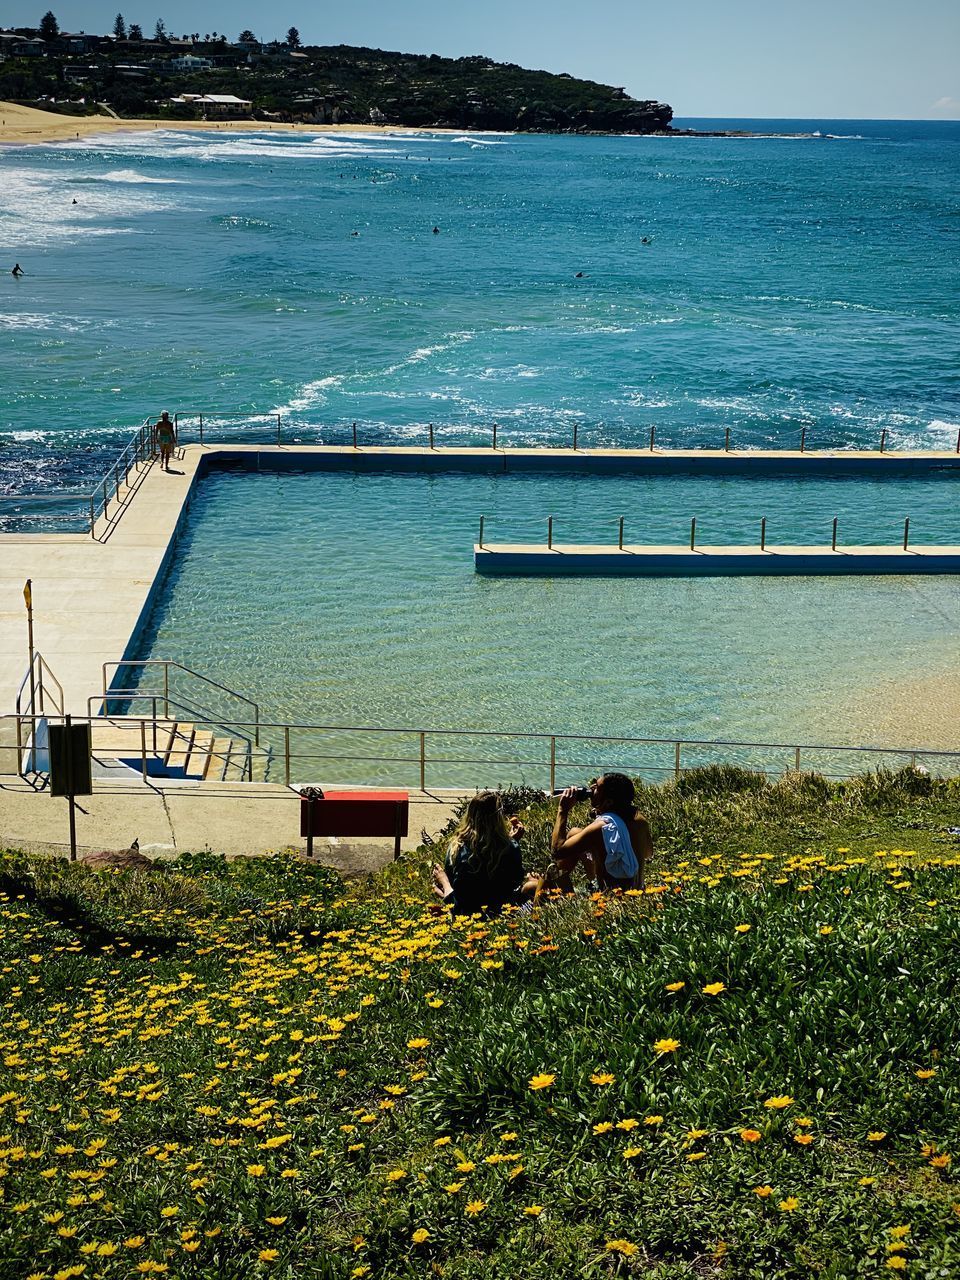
column 345, row 599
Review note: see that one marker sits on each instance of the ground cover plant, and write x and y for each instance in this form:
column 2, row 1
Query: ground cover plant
column 251, row 1069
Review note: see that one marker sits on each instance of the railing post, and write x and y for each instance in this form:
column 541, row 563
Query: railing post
column 354, row 435
column 575, row 427
column 906, row 533
column 143, row 749
column 676, row 760
column 833, row 540
column 883, row 439
column 104, row 497
column 431, row 435
column 763, row 533
column 726, row 440
column 693, row 534
column 620, row 535
column 553, row 765
column 494, row 435
column 549, row 533
column 93, row 517
column 166, row 691
column 278, row 430
column 286, row 754
column 153, row 705
column 480, row 543
column 653, row 432
column 796, row 759
column 423, row 760
column 803, row 438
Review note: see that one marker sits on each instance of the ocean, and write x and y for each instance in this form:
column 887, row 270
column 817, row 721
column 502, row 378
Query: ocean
column 763, row 285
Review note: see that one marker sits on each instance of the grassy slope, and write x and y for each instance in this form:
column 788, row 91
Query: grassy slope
column 249, row 1070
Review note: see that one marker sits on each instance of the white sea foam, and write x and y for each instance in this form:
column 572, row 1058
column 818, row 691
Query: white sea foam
column 42, row 324
column 134, row 176
column 38, row 208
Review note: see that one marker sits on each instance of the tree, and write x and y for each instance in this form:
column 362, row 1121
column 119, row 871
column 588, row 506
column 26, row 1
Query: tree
column 159, row 31
column 49, row 27
column 293, row 38
column 135, row 32
column 246, row 37
column 119, row 27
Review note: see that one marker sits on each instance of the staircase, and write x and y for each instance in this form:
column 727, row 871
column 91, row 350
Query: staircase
column 176, row 749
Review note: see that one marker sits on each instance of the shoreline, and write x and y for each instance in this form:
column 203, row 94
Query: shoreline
column 22, row 126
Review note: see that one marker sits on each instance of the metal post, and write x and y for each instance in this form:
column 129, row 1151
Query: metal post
column 833, row 541
column 803, row 438
column 28, row 600
column 906, row 533
column 553, row 765
column 68, row 762
column 883, row 439
column 480, row 543
column 549, row 533
column 575, row 427
column 423, row 760
column 201, row 428
column 153, row 704
column 93, row 517
column 431, row 435
column 693, row 534
column 286, row 754
column 620, row 535
column 166, row 691
column 763, row 533
column 796, row 759
column 104, row 498
column 278, row 429
column 726, row 440
column 676, row 759
column 143, row 749
column 354, row 435
column 494, row 435
column 653, row 431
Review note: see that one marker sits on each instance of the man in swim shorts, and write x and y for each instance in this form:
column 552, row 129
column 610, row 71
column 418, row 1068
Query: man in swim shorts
column 166, row 436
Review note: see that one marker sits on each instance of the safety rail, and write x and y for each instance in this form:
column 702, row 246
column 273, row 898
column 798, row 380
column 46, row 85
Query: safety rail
column 89, row 504
column 117, row 693
column 203, row 427
column 43, row 687
column 303, row 751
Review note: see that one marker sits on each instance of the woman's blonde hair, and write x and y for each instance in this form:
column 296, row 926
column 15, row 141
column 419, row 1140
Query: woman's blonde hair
column 482, row 832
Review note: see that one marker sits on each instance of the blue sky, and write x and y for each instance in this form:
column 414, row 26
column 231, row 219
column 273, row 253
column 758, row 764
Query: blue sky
column 821, row 58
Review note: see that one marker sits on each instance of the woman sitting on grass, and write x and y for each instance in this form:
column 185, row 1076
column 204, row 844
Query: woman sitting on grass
column 483, row 869
column 614, row 847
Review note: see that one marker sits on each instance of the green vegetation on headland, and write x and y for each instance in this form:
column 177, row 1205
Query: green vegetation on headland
column 250, row 1069
column 338, row 84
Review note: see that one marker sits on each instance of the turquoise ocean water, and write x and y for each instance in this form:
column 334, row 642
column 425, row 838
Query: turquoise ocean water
column 787, row 284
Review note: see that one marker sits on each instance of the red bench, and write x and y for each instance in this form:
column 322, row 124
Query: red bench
column 354, row 813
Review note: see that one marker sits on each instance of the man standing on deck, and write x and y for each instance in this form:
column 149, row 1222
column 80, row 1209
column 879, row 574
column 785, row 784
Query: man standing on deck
column 166, row 435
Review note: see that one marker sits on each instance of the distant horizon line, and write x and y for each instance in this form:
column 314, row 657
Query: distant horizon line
column 692, row 115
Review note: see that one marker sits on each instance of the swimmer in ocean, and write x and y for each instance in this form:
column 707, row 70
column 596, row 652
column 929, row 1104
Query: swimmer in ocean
column 17, row 271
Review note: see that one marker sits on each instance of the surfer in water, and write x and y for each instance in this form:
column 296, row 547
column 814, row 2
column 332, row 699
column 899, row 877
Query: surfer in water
column 17, row 271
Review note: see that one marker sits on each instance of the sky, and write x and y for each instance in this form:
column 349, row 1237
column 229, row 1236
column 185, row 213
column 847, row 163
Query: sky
column 823, row 59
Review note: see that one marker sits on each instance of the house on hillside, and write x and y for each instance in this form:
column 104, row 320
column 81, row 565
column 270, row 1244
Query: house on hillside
column 187, row 62
column 214, row 103
column 17, row 46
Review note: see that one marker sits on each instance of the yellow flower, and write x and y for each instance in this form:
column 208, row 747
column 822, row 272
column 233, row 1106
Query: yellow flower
column 940, row 1162
column 134, row 1242
column 191, row 1246
column 876, row 1135
column 628, row 1124
column 763, row 1191
column 508, row 1137
column 803, row 1139
column 896, row 1263
column 630, row 1153
column 603, row 1127
column 475, row 1207
column 256, row 1170
column 751, row 1135
column 277, row 1221
column 825, row 929
column 420, row 1236
column 542, row 1081
column 169, row 1211
column 106, row 1250
column 395, row 1175
column 442, row 1142
column 268, row 1255
column 695, row 1134
column 926, row 1073
column 741, row 928
column 420, row 1043
column 697, row 1155
column 779, row 1102
column 533, row 1210
column 359, row 1272
column 602, row 1077
column 666, row 1046
column 453, row 1187
column 653, row 1120
column 789, row 1204
column 899, row 1233
column 866, row 1182
column 714, row 988
column 675, row 986
column 621, row 1246
column 466, row 1166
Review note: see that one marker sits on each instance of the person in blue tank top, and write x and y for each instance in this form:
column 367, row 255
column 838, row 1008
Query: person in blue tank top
column 614, row 847
column 483, row 869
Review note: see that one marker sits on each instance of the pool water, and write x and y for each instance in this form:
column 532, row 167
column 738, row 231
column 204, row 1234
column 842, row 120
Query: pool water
column 340, row 599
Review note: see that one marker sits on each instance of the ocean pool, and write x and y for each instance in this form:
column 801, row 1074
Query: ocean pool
column 345, row 599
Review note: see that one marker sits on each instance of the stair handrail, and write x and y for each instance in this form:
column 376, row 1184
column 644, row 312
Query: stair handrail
column 184, row 710
column 110, row 691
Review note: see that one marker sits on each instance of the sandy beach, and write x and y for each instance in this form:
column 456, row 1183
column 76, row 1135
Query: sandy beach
column 19, row 125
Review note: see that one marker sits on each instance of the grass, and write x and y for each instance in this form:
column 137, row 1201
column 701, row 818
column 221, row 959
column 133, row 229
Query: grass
column 250, row 1069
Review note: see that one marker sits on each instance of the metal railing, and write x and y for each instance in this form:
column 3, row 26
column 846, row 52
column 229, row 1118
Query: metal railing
column 39, row 687
column 113, row 692
column 196, row 427
column 467, row 758
column 85, row 507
